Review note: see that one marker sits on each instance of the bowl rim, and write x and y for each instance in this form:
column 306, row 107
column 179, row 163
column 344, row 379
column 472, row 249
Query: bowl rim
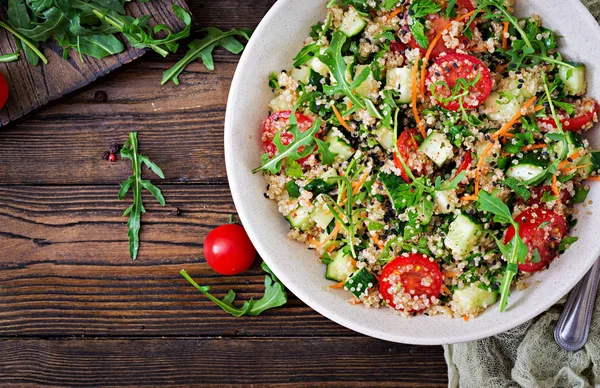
column 305, row 295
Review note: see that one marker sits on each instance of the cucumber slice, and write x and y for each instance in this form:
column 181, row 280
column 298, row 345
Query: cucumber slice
column 321, row 215
column 491, row 156
column 352, row 23
column 341, row 267
column 400, row 79
column 472, row 299
column 499, row 110
column 445, row 201
column 301, row 74
column 300, row 219
column 370, row 87
column 360, row 282
column 385, row 137
column 574, row 79
column 329, row 174
column 531, row 167
column 349, row 62
column 318, row 66
column 463, row 235
column 343, row 150
column 592, row 159
column 437, row 147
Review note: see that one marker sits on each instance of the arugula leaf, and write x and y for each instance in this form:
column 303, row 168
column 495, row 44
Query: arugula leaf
column 566, row 242
column 493, row 205
column 327, row 156
column 581, row 194
column 307, row 53
column 135, row 183
column 337, row 65
column 419, row 9
column 202, row 49
column 293, row 169
column 402, row 195
column 518, row 188
column 301, row 139
column 274, row 296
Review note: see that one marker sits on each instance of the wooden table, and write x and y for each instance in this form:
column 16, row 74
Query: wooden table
column 74, row 309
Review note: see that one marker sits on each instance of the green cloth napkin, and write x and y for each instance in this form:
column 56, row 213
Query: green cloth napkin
column 528, row 356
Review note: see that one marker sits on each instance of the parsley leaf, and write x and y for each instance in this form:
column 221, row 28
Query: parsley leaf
column 518, row 188
column 566, row 242
column 420, row 9
column 293, row 189
column 548, row 197
column 402, row 195
column 274, row 296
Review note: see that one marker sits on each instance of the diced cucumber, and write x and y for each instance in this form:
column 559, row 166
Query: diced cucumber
column 300, row 218
column 574, row 142
column 321, row 215
column 329, row 174
column 491, row 156
column 592, row 162
column 318, row 66
column 301, row 74
column 370, row 87
column 463, row 235
column 343, row 150
column 472, row 299
column 400, row 79
column 499, row 109
column 385, row 137
column 574, row 79
column 279, row 104
column 574, row 139
column 524, row 91
column 529, row 168
column 340, row 267
column 361, row 282
column 445, row 201
column 352, row 23
column 437, row 147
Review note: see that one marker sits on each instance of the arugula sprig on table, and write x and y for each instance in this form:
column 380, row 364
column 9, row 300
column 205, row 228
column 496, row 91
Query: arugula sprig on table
column 274, row 296
column 136, row 184
column 515, row 251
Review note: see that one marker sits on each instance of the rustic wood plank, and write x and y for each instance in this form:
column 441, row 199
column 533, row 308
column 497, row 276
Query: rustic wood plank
column 314, row 362
column 181, row 129
column 66, row 269
column 32, row 87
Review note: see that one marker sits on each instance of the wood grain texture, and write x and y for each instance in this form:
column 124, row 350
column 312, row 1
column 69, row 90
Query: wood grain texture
column 220, row 362
column 34, row 86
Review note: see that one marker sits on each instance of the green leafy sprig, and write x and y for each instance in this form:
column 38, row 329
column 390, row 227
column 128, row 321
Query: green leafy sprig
column 136, row 184
column 274, row 296
column 515, row 251
column 418, row 10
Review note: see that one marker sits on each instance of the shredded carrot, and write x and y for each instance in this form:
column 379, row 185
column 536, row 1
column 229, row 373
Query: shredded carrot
column 445, row 289
column 509, row 135
column 538, row 108
column 450, row 274
column 533, row 147
column 333, row 234
column 434, row 42
column 569, row 169
column 593, row 178
column 377, row 241
column 361, row 181
column 501, row 68
column 505, row 36
column 480, row 165
column 420, row 124
column 469, row 198
column 555, row 189
column 338, row 285
column 340, row 118
column 350, row 105
column 570, row 159
column 466, row 317
column 394, row 13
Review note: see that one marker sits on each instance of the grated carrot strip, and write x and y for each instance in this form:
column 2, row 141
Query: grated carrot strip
column 333, row 234
column 377, row 241
column 568, row 169
column 466, row 317
column 394, row 13
column 504, row 36
column 593, row 178
column 514, row 120
column 349, row 104
column 534, row 147
column 501, row 68
column 434, row 42
column 338, row 285
column 570, row 159
column 420, row 124
column 538, row 108
column 450, row 274
column 356, row 186
column 340, row 118
column 480, row 165
column 469, row 198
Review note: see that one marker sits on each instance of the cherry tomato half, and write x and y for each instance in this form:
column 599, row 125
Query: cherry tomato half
column 447, row 70
column 408, row 147
column 576, row 123
column 280, row 120
column 467, row 159
column 228, row 250
column 437, row 24
column 542, row 230
column 411, row 274
column 3, row 91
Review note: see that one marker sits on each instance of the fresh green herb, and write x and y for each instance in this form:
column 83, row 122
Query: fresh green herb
column 375, row 226
column 450, row 10
column 337, row 65
column 307, row 53
column 543, row 225
column 135, row 183
column 548, row 197
column 402, row 195
column 274, row 296
column 535, row 256
column 515, row 251
column 516, row 186
column 293, row 189
column 420, row 9
column 301, row 139
column 327, row 156
column 319, row 186
column 9, row 57
column 293, row 169
column 566, row 243
column 581, row 194
column 273, row 81
column 202, row 49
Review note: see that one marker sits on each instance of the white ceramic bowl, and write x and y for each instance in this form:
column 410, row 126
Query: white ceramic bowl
column 276, row 41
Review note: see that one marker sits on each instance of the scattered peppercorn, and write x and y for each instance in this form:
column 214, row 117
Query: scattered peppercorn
column 105, row 155
column 114, row 148
column 112, row 158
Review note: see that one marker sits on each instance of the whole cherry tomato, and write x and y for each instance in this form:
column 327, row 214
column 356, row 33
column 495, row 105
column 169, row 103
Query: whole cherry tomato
column 228, row 250
column 3, row 91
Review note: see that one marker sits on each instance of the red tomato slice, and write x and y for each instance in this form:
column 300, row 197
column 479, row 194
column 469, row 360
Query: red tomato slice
column 452, row 67
column 407, row 147
column 574, row 123
column 437, row 24
column 410, row 275
column 467, row 159
column 280, row 120
column 542, row 230
column 398, row 47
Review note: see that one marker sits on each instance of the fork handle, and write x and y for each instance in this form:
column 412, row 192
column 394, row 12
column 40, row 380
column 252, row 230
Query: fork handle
column 573, row 326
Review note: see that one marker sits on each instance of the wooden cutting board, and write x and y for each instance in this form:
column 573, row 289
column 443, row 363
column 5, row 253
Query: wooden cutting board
column 31, row 87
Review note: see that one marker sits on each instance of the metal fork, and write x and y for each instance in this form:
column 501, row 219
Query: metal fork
column 573, row 326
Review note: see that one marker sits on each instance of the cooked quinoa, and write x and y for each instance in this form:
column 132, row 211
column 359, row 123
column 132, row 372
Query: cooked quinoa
column 436, row 156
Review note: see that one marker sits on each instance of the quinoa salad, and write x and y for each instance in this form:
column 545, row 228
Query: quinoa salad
column 430, row 152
